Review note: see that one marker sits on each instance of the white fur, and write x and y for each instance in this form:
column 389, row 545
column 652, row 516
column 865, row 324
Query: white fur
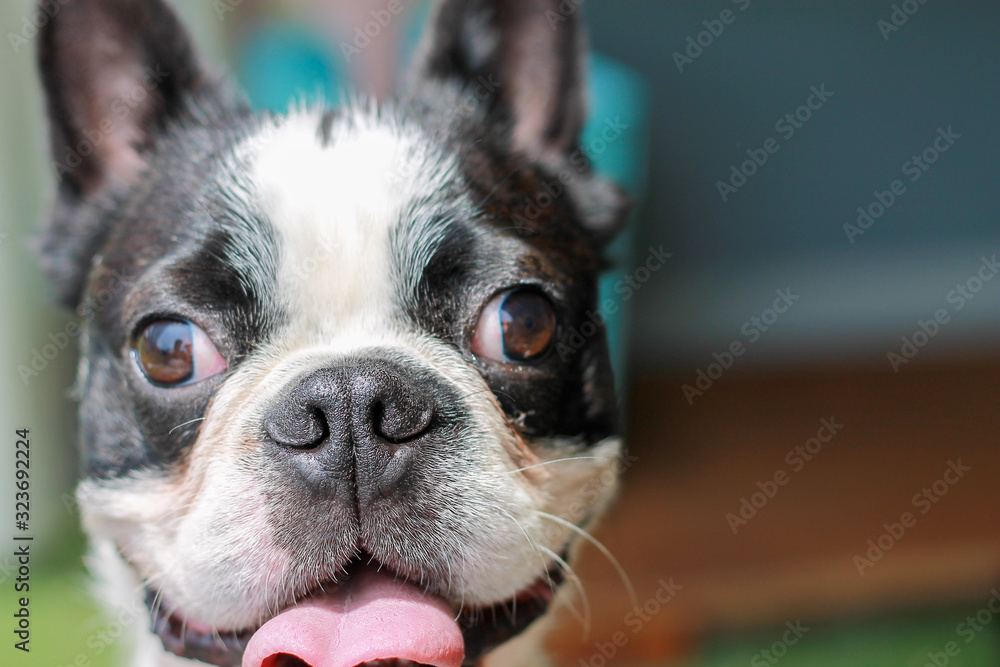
column 356, row 223
column 336, row 208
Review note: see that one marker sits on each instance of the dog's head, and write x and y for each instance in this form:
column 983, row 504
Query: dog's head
column 327, row 358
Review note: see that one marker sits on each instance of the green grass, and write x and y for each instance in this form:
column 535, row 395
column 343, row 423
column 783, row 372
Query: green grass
column 67, row 629
column 902, row 641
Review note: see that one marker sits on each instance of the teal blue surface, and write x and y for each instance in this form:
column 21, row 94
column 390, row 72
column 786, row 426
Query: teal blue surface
column 618, row 110
column 285, row 63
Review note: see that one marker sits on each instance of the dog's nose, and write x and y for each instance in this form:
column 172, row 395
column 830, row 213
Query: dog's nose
column 359, row 424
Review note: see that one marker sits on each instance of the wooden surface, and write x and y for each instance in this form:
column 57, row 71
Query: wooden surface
column 795, row 558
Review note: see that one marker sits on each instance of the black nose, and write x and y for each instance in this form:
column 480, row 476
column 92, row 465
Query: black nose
column 355, row 427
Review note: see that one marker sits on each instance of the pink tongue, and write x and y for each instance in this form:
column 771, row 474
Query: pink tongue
column 373, row 617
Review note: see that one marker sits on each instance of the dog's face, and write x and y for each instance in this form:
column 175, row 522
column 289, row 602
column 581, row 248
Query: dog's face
column 327, row 356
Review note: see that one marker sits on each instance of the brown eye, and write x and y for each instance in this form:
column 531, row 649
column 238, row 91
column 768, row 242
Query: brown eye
column 176, row 352
column 516, row 326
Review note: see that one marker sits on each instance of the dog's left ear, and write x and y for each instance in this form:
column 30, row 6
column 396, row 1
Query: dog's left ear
column 525, row 61
column 114, row 72
column 525, row 55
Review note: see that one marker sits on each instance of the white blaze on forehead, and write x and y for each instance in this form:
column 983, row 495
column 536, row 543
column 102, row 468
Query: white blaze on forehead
column 336, row 208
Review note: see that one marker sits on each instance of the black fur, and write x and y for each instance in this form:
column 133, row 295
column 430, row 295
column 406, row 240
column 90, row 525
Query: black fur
column 107, row 107
column 159, row 221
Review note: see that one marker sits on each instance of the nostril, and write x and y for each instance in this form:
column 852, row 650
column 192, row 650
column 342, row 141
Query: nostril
column 398, row 423
column 306, row 428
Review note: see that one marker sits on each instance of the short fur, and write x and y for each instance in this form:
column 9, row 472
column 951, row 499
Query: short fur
column 311, row 243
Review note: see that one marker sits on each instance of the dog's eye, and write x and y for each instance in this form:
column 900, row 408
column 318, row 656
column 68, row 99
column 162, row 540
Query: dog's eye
column 516, row 326
column 176, row 352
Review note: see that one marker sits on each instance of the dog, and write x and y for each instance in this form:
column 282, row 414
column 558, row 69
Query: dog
column 330, row 410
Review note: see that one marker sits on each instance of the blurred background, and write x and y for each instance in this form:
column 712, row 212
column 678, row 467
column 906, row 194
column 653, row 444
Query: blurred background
column 817, row 358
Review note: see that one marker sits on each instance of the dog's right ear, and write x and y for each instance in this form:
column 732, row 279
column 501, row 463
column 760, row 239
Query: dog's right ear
column 114, row 72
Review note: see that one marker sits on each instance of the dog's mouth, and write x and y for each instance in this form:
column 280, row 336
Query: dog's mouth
column 371, row 618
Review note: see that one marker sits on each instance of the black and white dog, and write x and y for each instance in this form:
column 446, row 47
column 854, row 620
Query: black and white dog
column 329, row 409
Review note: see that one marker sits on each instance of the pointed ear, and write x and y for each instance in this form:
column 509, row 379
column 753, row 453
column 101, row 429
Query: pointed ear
column 530, row 55
column 114, row 72
column 529, row 52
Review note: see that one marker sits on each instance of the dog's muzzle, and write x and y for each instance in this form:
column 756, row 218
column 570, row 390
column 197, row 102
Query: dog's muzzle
column 355, row 439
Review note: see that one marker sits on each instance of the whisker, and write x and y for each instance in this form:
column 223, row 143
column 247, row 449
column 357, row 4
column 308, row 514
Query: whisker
column 196, row 419
column 572, row 576
column 157, row 603
column 217, row 636
column 533, row 548
column 523, row 532
column 475, row 393
column 570, row 458
column 461, row 606
column 629, row 588
column 158, row 599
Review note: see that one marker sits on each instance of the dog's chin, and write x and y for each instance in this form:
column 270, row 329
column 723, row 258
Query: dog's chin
column 370, row 617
